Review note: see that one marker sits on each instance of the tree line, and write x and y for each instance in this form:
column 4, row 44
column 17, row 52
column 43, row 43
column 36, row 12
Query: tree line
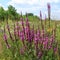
column 10, row 13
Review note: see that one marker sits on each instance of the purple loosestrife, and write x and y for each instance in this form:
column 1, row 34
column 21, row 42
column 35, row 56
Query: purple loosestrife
column 18, row 33
column 22, row 23
column 38, row 34
column 41, row 19
column 51, row 40
column 22, row 50
column 36, row 42
column 32, row 33
column 9, row 32
column 35, row 38
column 50, row 46
column 38, row 31
column 40, row 55
column 23, row 26
column 8, row 26
column 15, row 32
column 45, row 43
column 42, row 36
column 28, row 32
column 55, row 49
column 17, row 28
column 22, row 37
column 29, row 36
column 27, row 22
column 48, row 6
column 43, row 33
column 5, row 38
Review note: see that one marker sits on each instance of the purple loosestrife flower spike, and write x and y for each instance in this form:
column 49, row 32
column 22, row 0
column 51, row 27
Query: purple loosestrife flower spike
column 40, row 15
column 22, row 50
column 48, row 5
column 51, row 40
column 41, row 19
column 32, row 33
column 9, row 32
column 38, row 34
column 38, row 30
column 50, row 46
column 19, row 31
column 27, row 22
column 43, row 33
column 28, row 29
column 36, row 42
column 45, row 43
column 35, row 38
column 39, row 54
column 22, row 23
column 5, row 38
column 8, row 46
column 22, row 37
column 17, row 26
column 21, row 18
column 26, row 33
column 15, row 33
column 55, row 49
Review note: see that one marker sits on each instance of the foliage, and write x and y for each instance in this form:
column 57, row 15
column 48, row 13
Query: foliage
column 30, row 14
column 11, row 13
column 2, row 13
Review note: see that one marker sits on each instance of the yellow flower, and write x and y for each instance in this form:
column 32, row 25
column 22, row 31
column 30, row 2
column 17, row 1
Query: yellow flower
column 49, row 30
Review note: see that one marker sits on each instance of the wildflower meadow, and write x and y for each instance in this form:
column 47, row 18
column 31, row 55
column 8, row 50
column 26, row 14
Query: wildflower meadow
column 31, row 39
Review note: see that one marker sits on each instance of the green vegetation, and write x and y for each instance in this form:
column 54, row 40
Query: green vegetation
column 32, row 21
column 10, row 13
column 11, row 17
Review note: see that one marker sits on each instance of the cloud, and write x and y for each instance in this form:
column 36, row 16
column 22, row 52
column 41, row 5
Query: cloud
column 0, row 4
column 30, row 9
column 32, row 2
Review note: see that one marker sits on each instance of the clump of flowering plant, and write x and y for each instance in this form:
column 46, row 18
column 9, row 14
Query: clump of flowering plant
column 30, row 43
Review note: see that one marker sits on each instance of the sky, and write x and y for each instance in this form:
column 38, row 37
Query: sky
column 34, row 6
